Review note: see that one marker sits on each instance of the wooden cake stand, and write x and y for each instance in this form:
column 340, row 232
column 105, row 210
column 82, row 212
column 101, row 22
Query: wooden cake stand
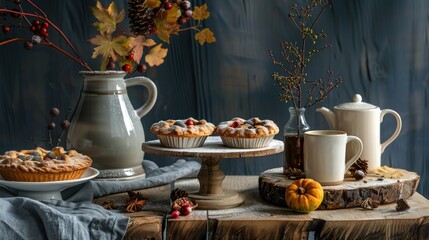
column 211, row 176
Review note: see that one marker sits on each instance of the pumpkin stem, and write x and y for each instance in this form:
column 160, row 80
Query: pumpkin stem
column 301, row 190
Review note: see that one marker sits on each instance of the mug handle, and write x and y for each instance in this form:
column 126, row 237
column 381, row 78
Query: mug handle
column 153, row 93
column 397, row 130
column 355, row 157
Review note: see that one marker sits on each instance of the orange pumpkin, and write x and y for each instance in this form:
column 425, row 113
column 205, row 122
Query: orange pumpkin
column 304, row 195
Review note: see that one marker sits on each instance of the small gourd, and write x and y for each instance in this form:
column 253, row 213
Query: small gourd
column 304, row 195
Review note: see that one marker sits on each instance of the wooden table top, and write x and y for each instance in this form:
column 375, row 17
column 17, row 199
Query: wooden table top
column 257, row 219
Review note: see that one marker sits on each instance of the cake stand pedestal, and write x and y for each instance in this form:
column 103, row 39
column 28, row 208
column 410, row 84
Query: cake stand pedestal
column 211, row 195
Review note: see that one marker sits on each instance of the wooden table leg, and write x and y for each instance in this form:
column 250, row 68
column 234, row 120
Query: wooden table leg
column 211, row 194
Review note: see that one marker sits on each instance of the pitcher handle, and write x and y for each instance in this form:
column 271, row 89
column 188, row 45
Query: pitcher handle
column 153, row 93
column 398, row 127
column 356, row 156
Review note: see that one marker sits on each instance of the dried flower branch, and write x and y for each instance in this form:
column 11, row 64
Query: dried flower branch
column 19, row 19
column 113, row 43
column 296, row 56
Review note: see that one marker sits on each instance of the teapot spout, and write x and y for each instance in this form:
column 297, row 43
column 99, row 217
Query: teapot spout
column 329, row 116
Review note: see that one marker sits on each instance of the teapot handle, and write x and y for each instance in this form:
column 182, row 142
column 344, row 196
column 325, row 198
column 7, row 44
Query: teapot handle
column 153, row 93
column 398, row 127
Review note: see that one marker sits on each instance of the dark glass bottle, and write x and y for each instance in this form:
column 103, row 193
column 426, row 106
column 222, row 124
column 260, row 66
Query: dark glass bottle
column 294, row 139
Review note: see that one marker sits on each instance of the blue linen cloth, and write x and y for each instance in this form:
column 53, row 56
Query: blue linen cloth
column 76, row 217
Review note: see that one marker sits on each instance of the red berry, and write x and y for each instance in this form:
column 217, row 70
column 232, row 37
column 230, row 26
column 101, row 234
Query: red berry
column 55, row 112
column 51, row 126
column 6, row 29
column 65, row 124
column 36, row 23
column 188, row 13
column 130, row 57
column 168, row 5
column 181, row 20
column 189, row 122
column 28, row 45
column 142, row 68
column 186, row 209
column 126, row 67
column 235, row 124
column 33, row 29
column 46, row 35
column 155, row 30
column 175, row 214
column 45, row 25
column 43, row 31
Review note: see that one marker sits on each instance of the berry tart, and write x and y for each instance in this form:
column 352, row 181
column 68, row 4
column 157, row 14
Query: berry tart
column 186, row 133
column 251, row 133
column 40, row 165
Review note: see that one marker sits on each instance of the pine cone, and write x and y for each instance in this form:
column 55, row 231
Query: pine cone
column 360, row 164
column 177, row 193
column 141, row 17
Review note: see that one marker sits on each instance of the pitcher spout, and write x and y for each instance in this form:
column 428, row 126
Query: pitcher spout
column 329, row 116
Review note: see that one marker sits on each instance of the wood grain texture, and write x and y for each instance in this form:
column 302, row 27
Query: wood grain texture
column 351, row 193
column 257, row 219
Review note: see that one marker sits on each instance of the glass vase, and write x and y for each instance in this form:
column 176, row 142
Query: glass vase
column 294, row 140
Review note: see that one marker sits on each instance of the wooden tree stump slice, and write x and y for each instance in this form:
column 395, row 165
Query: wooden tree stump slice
column 349, row 194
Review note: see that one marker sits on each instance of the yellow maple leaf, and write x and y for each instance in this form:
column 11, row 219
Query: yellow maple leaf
column 205, row 36
column 109, row 46
column 200, row 13
column 156, row 55
column 153, row 3
column 107, row 18
column 137, row 45
column 166, row 23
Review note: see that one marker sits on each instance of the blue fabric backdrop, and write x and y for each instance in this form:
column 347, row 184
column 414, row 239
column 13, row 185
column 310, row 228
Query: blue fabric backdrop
column 380, row 48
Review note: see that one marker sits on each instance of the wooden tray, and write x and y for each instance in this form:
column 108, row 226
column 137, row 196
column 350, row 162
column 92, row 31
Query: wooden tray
column 351, row 193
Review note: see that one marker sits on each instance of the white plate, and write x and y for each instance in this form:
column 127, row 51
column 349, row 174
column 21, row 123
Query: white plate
column 47, row 190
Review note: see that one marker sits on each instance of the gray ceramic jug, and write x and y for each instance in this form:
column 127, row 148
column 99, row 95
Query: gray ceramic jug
column 107, row 128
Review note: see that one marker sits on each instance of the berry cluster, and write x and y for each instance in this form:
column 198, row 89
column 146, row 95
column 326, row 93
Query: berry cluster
column 185, row 8
column 39, row 29
column 181, row 205
column 65, row 124
column 14, row 15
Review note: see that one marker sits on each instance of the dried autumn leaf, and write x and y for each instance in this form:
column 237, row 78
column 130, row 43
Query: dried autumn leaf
column 107, row 18
column 156, row 55
column 137, row 45
column 109, row 47
column 166, row 23
column 205, row 36
column 200, row 13
column 153, row 3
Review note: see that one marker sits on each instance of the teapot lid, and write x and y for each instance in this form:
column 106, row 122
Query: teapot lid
column 357, row 104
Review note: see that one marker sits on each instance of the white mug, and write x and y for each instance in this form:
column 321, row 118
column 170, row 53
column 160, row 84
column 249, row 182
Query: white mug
column 324, row 155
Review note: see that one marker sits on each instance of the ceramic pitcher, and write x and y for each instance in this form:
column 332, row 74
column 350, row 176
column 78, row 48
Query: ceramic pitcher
column 105, row 125
column 362, row 120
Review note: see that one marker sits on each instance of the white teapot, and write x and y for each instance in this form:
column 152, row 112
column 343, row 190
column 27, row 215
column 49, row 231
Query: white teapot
column 362, row 120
